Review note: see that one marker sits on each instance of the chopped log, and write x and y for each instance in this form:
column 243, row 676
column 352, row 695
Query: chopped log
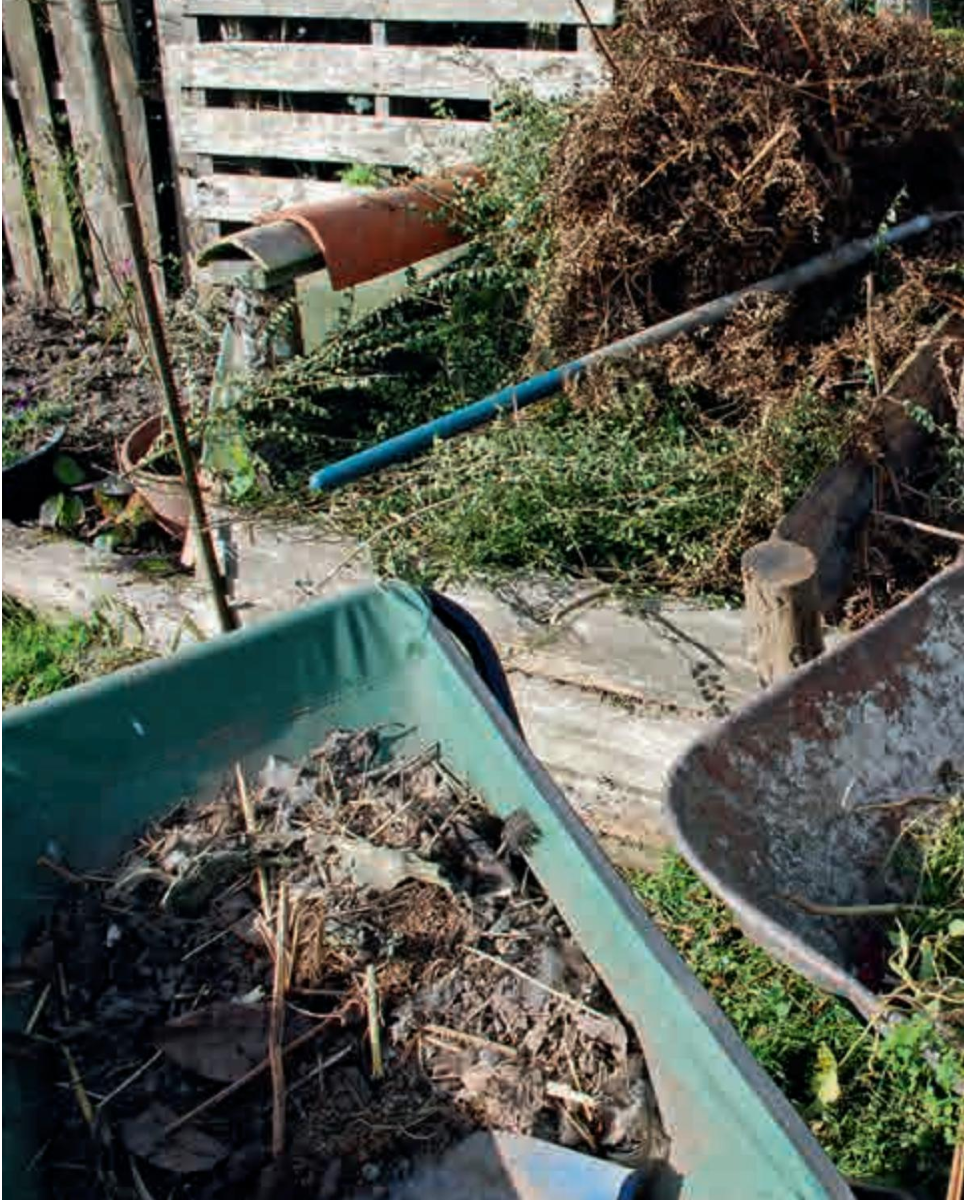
column 782, row 603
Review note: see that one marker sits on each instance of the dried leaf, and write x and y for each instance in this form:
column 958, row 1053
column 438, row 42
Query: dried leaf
column 826, row 1076
column 188, row 1151
column 607, row 1030
column 203, row 877
column 377, row 867
column 220, row 1042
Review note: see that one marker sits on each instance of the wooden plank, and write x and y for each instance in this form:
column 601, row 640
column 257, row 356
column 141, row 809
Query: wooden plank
column 449, row 72
column 526, row 12
column 109, row 242
column 134, row 121
column 17, row 225
column 378, row 33
column 176, row 30
column 10, row 89
column 20, row 38
column 326, row 137
column 246, row 197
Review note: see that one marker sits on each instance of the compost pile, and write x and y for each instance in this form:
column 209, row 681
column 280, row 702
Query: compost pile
column 307, row 984
column 735, row 140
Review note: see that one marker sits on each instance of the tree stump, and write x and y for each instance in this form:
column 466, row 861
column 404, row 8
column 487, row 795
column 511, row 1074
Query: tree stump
column 782, row 603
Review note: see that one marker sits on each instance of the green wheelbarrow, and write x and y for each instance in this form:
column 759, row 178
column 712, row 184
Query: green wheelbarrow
column 86, row 769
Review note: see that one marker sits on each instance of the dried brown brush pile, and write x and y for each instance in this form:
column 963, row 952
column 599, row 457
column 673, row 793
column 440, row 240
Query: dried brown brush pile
column 740, row 137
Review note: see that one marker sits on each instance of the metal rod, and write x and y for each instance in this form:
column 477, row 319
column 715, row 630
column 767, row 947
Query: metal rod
column 539, row 387
column 88, row 26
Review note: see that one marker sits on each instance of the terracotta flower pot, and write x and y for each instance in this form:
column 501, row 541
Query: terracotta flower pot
column 165, row 495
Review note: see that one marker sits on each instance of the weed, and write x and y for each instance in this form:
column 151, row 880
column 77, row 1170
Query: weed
column 885, row 1108
column 41, row 657
column 450, row 339
column 365, row 175
column 28, row 420
column 644, row 491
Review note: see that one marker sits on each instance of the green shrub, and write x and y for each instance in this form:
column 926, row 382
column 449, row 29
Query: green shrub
column 884, row 1108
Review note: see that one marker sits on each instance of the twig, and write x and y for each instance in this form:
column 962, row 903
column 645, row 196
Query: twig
column 903, row 801
column 955, row 1188
column 871, row 337
column 851, row 910
column 949, row 535
column 396, row 524
column 321, row 1067
column 62, row 871
column 372, row 1016
column 579, row 602
column 514, row 970
column 64, row 992
column 277, row 1022
column 444, row 1031
column 77, row 1086
column 216, row 937
column 130, row 1079
column 139, row 1185
column 237, row 1084
column 388, row 771
column 38, row 1009
column 563, row 1091
column 252, row 828
column 598, row 39
column 763, row 150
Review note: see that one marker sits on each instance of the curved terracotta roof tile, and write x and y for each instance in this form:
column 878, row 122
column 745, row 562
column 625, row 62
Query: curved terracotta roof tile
column 366, row 234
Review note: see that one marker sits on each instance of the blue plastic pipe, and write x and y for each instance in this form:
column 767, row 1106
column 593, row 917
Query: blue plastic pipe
column 539, row 387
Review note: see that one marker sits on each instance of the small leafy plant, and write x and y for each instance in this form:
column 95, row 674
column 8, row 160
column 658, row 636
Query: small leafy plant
column 886, row 1108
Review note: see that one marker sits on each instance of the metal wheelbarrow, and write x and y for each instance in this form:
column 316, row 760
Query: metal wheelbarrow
column 789, row 798
column 87, row 768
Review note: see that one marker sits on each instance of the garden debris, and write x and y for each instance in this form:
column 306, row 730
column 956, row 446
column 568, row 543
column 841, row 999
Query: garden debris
column 337, row 966
column 734, row 140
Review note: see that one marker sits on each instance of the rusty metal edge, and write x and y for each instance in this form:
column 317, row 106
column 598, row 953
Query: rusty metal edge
column 779, row 941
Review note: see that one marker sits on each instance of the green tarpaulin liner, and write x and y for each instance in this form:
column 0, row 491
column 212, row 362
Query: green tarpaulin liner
column 85, row 770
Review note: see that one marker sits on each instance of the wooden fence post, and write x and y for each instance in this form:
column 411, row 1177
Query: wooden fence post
column 782, row 603
column 51, row 180
column 17, row 226
column 110, row 245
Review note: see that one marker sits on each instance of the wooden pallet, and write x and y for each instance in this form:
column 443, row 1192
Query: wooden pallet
column 270, row 100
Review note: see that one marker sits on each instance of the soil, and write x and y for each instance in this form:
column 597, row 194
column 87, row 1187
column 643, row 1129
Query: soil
column 426, row 985
column 93, row 375
column 82, row 371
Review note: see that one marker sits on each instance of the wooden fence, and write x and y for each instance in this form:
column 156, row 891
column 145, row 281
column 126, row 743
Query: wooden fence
column 270, row 100
column 64, row 237
column 267, row 103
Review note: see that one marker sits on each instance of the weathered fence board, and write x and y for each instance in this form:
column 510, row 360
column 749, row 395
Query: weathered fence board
column 177, row 30
column 527, row 12
column 48, row 169
column 315, row 137
column 438, row 72
column 118, row 43
column 17, row 224
column 240, row 198
column 109, row 244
